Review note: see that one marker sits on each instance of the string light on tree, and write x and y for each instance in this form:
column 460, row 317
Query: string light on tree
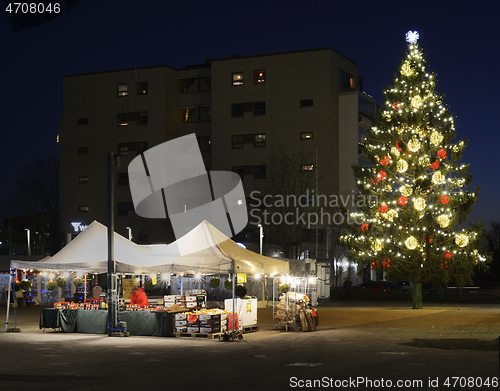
column 413, row 157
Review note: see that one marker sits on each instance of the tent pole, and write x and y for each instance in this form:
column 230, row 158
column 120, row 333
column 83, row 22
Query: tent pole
column 8, row 302
column 234, row 300
column 112, row 323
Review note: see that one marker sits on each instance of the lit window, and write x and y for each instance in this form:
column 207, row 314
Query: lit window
column 123, row 89
column 347, row 80
column 83, row 179
column 83, row 208
column 237, row 78
column 83, row 121
column 306, row 103
column 259, row 140
column 237, row 110
column 259, row 108
column 142, row 88
column 306, row 135
column 122, row 120
column 142, row 118
column 307, row 167
column 259, row 77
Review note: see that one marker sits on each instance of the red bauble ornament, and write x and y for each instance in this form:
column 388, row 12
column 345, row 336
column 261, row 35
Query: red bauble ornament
column 441, row 154
column 448, row 254
column 434, row 165
column 444, row 199
column 396, row 105
column 430, row 239
column 382, row 175
column 402, row 200
column 397, row 145
column 364, row 227
column 385, row 160
column 383, row 208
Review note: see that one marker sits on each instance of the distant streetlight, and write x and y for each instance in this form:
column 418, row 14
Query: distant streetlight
column 29, row 241
column 261, row 235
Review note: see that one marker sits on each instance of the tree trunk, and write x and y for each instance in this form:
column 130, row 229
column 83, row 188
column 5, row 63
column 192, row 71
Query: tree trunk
column 417, row 295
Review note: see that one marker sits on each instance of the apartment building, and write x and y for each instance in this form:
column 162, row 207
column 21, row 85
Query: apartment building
column 240, row 108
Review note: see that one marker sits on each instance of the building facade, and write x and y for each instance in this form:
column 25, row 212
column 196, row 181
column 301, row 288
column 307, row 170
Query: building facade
column 241, row 109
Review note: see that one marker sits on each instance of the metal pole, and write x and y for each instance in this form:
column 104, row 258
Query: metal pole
column 8, row 302
column 261, row 234
column 29, row 240
column 111, row 262
column 234, row 300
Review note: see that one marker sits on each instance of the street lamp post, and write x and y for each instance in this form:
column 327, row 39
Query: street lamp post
column 129, row 233
column 261, row 236
column 29, row 240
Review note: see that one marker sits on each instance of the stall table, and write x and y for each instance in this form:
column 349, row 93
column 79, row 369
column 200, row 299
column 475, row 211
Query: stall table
column 143, row 323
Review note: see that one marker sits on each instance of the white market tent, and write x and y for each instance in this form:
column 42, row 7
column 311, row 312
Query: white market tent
column 205, row 250
column 202, row 250
column 87, row 252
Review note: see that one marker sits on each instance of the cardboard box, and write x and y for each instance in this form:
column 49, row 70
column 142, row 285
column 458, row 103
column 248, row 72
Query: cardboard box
column 191, row 304
column 181, row 329
column 179, row 323
column 193, row 329
column 181, row 317
column 208, row 330
column 190, row 298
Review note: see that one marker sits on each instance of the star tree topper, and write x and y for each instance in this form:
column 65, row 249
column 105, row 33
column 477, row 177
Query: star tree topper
column 412, row 36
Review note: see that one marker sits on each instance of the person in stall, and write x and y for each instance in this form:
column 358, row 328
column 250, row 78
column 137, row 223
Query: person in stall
column 139, row 297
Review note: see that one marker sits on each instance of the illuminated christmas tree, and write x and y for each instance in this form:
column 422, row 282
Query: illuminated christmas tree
column 416, row 188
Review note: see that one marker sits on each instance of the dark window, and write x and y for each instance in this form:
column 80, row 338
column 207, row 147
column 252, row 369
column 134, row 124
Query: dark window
column 306, row 135
column 248, row 138
column 83, row 121
column 143, row 236
column 122, row 179
column 309, row 235
column 306, row 103
column 83, row 179
column 237, row 78
column 259, row 140
column 123, row 149
column 124, row 208
column 83, row 208
column 142, row 118
column 259, row 108
column 237, row 141
column 142, row 88
column 259, row 77
column 259, row 172
column 307, row 167
column 123, row 89
column 83, row 150
column 237, row 110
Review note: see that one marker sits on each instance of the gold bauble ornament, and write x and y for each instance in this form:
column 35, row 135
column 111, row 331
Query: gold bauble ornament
column 395, row 151
column 402, row 165
column 406, row 69
column 388, row 188
column 391, row 215
column 438, row 178
column 414, row 145
column 443, row 221
column 388, row 118
column 406, row 190
column 436, row 137
column 455, row 149
column 461, row 240
column 420, row 132
column 419, row 204
column 416, row 101
column 411, row 243
column 377, row 245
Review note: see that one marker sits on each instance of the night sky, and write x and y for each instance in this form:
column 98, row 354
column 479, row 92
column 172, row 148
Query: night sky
column 460, row 41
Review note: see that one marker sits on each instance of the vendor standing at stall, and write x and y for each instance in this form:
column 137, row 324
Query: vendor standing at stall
column 139, row 297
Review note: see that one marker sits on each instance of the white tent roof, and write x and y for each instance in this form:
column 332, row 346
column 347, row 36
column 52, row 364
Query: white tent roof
column 87, row 252
column 204, row 250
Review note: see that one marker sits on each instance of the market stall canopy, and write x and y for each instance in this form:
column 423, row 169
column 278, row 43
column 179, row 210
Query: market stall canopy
column 203, row 250
column 87, row 252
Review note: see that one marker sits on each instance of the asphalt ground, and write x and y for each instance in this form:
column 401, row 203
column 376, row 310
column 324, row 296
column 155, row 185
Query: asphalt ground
column 361, row 345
